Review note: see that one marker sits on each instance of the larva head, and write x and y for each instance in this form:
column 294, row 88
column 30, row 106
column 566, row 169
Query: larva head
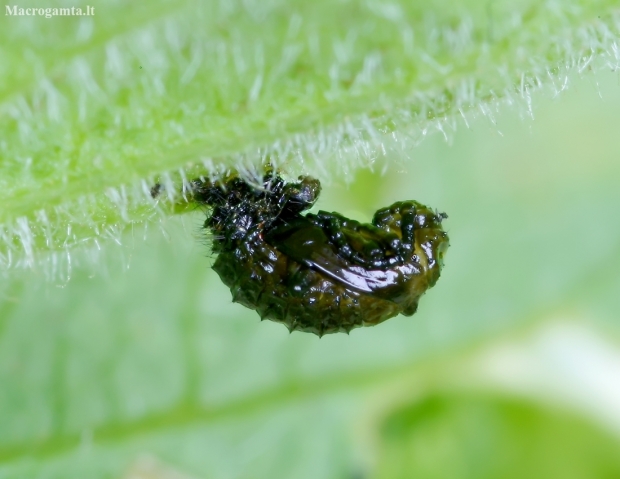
column 302, row 195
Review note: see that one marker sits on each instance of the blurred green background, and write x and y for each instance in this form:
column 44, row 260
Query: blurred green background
column 142, row 367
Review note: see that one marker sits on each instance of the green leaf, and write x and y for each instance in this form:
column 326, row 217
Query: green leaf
column 463, row 436
column 96, row 109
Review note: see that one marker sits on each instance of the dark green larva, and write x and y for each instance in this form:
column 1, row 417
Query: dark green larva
column 319, row 273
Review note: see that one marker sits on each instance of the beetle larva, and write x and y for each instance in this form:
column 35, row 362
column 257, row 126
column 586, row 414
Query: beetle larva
column 320, row 273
